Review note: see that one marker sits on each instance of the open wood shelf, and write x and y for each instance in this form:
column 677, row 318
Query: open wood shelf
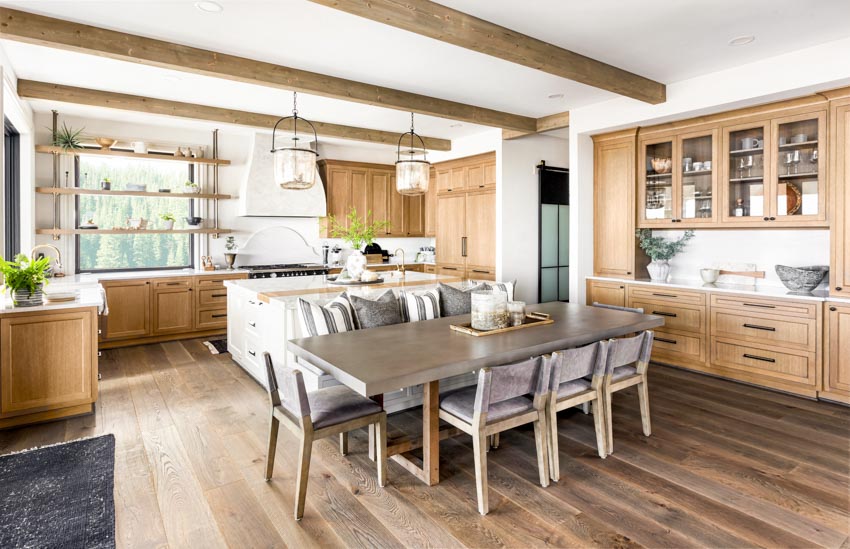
column 131, row 154
column 57, row 232
column 76, row 190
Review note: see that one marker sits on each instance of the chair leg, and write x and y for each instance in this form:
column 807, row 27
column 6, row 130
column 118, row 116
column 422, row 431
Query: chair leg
column 609, row 431
column 496, row 440
column 381, row 441
column 585, row 407
column 274, row 426
column 304, row 455
column 540, row 443
column 552, row 439
column 600, row 426
column 479, row 446
column 372, row 442
column 643, row 397
column 343, row 444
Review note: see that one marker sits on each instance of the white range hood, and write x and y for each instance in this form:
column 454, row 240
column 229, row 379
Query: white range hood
column 260, row 196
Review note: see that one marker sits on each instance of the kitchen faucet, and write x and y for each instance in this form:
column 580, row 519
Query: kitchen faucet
column 58, row 272
column 400, row 269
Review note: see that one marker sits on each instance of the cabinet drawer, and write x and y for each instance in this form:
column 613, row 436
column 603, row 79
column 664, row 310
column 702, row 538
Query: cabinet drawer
column 211, row 319
column 208, row 281
column 676, row 317
column 481, row 273
column 172, row 283
column 450, row 270
column 793, row 332
column 666, row 295
column 757, row 304
column 606, row 293
column 430, row 269
column 764, row 361
column 212, row 297
column 674, row 348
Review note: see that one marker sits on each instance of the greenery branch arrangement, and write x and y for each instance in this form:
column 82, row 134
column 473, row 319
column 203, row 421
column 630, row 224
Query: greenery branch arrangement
column 358, row 232
column 68, row 139
column 24, row 273
column 659, row 248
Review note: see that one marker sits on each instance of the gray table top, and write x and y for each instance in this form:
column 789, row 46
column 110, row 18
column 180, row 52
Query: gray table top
column 380, row 360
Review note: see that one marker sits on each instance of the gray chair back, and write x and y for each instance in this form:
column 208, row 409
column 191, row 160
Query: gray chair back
column 293, row 395
column 629, row 350
column 514, row 380
column 618, row 308
column 577, row 363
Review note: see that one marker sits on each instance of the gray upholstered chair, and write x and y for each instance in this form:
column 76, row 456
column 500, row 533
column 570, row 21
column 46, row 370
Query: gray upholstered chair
column 505, row 397
column 318, row 414
column 568, row 388
column 627, row 362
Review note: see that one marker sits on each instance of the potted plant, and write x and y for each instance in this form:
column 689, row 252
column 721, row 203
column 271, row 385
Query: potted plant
column 106, row 184
column 356, row 234
column 26, row 278
column 661, row 251
column 230, row 251
column 68, row 139
column 191, row 187
column 168, row 220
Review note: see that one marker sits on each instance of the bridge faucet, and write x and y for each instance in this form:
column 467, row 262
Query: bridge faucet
column 400, row 266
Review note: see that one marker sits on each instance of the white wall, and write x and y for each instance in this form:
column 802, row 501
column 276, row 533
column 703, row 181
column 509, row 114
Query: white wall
column 517, row 218
column 813, row 69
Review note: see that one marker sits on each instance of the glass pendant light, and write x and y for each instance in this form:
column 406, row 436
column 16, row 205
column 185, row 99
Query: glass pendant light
column 412, row 174
column 294, row 165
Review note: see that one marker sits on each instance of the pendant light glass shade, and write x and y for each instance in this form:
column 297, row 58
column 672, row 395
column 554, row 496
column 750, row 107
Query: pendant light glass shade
column 294, row 165
column 412, row 175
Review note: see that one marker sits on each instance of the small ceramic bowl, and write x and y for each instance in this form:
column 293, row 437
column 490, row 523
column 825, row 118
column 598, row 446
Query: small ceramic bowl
column 105, row 142
column 193, row 221
column 709, row 276
column 661, row 165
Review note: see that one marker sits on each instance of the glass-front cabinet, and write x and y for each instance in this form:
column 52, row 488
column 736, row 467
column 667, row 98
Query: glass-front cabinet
column 747, row 171
column 677, row 184
column 800, row 185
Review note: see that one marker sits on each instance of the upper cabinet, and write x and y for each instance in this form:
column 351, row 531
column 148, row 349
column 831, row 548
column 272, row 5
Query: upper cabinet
column 839, row 175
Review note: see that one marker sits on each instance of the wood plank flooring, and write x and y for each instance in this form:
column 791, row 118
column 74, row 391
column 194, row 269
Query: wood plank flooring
column 728, row 465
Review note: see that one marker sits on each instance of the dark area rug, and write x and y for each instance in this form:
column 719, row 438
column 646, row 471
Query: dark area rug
column 59, row 496
column 217, row 346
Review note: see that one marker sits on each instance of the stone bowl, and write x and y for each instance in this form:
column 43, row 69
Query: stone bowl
column 801, row 279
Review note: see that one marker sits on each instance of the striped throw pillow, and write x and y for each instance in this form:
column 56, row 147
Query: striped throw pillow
column 419, row 306
column 333, row 318
column 506, row 287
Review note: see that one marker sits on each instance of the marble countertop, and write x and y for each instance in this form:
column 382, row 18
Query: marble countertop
column 391, row 262
column 94, row 278
column 759, row 290
column 88, row 296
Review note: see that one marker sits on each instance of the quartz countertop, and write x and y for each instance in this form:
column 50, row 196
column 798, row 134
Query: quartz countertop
column 94, row 278
column 755, row 290
column 88, row 296
column 391, row 262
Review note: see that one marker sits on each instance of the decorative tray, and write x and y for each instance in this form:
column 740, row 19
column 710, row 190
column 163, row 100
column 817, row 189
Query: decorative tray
column 531, row 319
column 350, row 282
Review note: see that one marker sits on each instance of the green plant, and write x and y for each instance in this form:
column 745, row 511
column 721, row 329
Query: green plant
column 230, row 244
column 190, row 184
column 659, row 248
column 67, row 139
column 24, row 273
column 358, row 232
column 167, row 216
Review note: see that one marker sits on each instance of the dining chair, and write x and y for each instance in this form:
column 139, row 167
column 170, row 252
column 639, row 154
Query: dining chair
column 627, row 362
column 318, row 414
column 505, row 397
column 569, row 387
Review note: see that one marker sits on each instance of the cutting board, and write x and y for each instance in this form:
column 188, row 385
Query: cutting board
column 737, row 267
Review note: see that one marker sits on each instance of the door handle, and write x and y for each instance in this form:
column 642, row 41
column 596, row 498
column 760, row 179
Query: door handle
column 662, row 313
column 219, row 295
column 762, row 358
column 670, row 341
column 463, row 246
column 219, row 315
column 664, row 295
column 757, row 327
column 759, row 305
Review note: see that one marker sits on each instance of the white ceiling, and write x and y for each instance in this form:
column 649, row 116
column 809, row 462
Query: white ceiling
column 663, row 40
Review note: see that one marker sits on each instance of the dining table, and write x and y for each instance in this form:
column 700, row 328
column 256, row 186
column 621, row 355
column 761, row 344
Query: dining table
column 381, row 360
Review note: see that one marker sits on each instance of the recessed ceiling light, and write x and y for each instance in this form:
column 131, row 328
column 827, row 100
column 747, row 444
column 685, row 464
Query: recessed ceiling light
column 556, row 96
column 456, row 125
column 742, row 40
column 208, row 6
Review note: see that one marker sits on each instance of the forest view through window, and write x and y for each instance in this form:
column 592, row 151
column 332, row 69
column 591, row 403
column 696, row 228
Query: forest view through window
column 136, row 249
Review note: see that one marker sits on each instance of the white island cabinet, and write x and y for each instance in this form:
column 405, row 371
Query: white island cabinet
column 262, row 316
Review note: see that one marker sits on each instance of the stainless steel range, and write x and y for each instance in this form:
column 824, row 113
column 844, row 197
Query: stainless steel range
column 284, row 270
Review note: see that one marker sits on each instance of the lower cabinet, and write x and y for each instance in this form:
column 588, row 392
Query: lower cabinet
column 48, row 365
column 129, row 309
column 836, row 369
column 173, row 305
column 607, row 293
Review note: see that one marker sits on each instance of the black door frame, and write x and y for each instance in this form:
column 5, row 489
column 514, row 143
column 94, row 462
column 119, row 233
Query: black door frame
column 11, row 190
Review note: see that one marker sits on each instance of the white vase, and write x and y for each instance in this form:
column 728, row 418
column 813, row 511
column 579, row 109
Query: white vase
column 355, row 264
column 659, row 270
column 168, row 224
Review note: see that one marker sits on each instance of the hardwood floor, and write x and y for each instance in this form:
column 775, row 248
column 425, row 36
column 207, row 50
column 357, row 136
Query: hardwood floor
column 727, row 465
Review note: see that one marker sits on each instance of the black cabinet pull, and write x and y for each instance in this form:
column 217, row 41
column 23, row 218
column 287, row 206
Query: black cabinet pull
column 219, row 295
column 449, row 268
column 174, row 283
column 773, row 219
column 662, row 313
column 767, row 219
column 838, row 288
column 629, row 272
column 762, row 358
column 757, row 327
column 759, row 305
column 480, row 271
column 665, row 295
column 252, row 353
column 833, row 309
column 663, row 340
column 221, row 315
column 252, row 324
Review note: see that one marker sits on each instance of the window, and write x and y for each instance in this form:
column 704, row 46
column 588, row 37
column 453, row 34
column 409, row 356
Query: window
column 134, row 250
column 12, row 191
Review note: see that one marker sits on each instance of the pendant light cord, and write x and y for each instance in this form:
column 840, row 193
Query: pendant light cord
column 295, row 115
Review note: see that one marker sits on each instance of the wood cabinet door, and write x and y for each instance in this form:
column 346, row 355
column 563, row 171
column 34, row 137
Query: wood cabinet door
column 173, row 310
column 430, row 206
column 129, row 309
column 836, row 377
column 379, row 181
column 607, row 293
column 398, row 224
column 490, row 175
column 481, row 229
column 451, row 229
column 414, row 215
column 443, row 180
column 47, row 361
column 339, row 193
column 839, row 173
column 657, row 191
column 614, row 208
column 361, row 193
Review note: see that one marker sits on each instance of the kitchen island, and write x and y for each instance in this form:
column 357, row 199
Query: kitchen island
column 261, row 316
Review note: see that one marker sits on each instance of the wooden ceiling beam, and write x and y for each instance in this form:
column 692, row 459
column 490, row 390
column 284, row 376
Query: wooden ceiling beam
column 555, row 121
column 30, row 89
column 461, row 29
column 30, row 28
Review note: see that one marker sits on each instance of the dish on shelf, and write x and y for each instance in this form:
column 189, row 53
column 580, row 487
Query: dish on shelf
column 88, row 226
column 661, row 165
column 793, row 199
column 801, row 279
column 193, row 221
column 105, row 142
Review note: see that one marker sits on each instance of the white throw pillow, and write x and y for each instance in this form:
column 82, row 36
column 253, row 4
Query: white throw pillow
column 416, row 306
column 333, row 318
column 506, row 287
